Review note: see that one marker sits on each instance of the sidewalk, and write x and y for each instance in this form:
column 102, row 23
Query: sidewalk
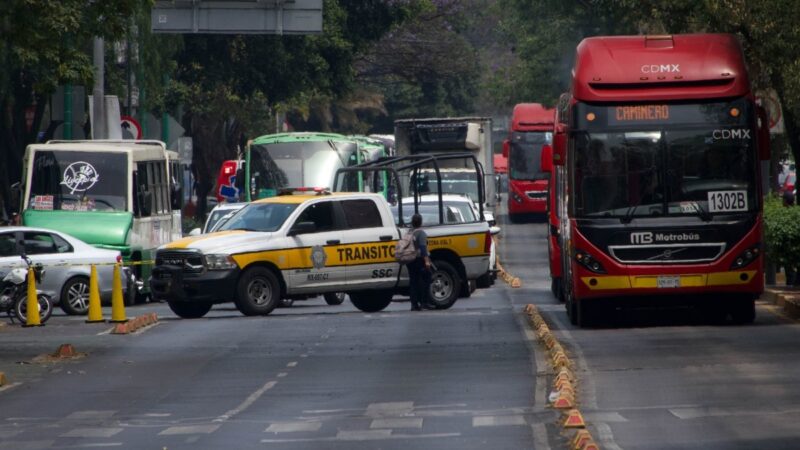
column 785, row 297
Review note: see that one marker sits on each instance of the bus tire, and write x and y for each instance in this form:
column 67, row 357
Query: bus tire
column 190, row 310
column 572, row 312
column 445, row 285
column 371, row 301
column 258, row 292
column 334, row 298
column 74, row 298
column 514, row 218
column 556, row 288
column 743, row 311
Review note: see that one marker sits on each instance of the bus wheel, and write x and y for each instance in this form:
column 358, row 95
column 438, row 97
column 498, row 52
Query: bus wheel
column 190, row 310
column 258, row 292
column 371, row 301
column 572, row 310
column 743, row 311
column 445, row 286
column 334, row 298
column 556, row 289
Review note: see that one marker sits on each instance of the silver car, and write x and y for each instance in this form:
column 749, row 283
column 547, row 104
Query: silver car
column 67, row 262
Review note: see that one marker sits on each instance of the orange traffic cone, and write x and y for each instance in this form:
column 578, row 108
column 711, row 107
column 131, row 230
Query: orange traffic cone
column 32, row 302
column 95, row 310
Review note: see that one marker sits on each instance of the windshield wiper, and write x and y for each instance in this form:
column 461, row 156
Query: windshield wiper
column 704, row 215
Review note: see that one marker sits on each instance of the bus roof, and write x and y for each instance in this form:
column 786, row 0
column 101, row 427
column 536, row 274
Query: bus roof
column 298, row 137
column 141, row 150
column 632, row 68
column 532, row 117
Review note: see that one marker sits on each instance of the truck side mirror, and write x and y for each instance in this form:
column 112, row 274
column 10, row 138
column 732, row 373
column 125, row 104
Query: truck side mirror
column 559, row 145
column 546, row 159
column 506, row 147
column 763, row 134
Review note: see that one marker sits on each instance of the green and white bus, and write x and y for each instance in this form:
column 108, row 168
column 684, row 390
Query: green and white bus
column 304, row 160
column 122, row 195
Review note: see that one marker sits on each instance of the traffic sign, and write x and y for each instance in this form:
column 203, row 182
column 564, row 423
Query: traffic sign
column 130, row 128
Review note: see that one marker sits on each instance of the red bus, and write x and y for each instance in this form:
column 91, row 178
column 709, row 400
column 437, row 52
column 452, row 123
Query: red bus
column 531, row 128
column 661, row 199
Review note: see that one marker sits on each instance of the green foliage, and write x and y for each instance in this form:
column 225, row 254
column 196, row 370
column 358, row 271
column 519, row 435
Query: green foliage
column 782, row 232
column 190, row 223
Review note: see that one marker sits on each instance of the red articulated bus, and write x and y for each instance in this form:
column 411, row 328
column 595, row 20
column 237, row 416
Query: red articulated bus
column 661, row 195
column 531, row 129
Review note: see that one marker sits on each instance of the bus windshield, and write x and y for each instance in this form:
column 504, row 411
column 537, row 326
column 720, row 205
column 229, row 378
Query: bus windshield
column 524, row 157
column 298, row 164
column 79, row 181
column 684, row 168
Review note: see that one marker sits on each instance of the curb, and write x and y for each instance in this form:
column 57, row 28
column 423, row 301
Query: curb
column 787, row 299
column 564, row 392
column 135, row 324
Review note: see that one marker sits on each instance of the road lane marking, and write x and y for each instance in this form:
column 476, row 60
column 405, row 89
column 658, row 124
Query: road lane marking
column 282, row 374
column 292, row 364
column 189, row 429
column 397, row 422
column 391, row 409
column 293, row 427
column 91, row 414
column 247, row 402
column 497, row 421
column 92, row 432
column 364, row 437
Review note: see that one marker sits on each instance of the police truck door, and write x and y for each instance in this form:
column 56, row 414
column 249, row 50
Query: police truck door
column 314, row 262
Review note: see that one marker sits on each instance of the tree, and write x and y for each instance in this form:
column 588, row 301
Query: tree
column 45, row 45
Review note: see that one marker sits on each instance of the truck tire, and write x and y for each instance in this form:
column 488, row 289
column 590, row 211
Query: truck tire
column 334, row 298
column 74, row 298
column 371, row 301
column 446, row 285
column 190, row 310
column 258, row 292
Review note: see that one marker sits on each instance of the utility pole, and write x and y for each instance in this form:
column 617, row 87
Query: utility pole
column 98, row 93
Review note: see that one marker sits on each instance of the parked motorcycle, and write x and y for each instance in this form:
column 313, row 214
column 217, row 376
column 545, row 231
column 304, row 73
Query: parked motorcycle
column 14, row 293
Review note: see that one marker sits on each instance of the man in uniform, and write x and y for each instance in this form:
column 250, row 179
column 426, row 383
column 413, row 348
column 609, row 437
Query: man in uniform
column 419, row 270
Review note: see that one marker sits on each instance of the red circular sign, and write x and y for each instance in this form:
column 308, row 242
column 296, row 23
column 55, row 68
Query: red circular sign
column 130, row 128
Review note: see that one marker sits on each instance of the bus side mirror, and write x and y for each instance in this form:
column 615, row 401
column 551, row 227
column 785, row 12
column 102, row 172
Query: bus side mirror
column 506, row 147
column 559, row 145
column 763, row 134
column 16, row 196
column 546, row 159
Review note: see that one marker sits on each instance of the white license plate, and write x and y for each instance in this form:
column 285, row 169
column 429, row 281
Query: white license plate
column 669, row 282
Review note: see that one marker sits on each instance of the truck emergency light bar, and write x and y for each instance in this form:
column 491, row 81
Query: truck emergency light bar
column 395, row 164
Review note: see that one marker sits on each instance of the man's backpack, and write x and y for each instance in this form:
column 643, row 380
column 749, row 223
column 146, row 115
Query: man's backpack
column 406, row 250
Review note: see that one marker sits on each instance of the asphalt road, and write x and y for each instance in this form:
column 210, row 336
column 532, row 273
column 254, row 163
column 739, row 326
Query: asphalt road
column 330, row 377
column 311, row 376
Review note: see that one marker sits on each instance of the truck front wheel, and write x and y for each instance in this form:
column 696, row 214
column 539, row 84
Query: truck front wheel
column 190, row 310
column 445, row 285
column 371, row 301
column 258, row 292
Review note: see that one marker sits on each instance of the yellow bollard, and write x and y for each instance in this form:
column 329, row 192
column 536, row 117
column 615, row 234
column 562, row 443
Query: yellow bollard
column 32, row 305
column 95, row 310
column 117, row 302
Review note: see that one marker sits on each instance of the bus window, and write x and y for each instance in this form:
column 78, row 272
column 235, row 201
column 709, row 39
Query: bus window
column 144, row 197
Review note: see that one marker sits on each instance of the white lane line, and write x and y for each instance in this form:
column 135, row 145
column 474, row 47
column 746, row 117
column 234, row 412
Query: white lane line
column 189, row 429
column 92, row 432
column 362, row 436
column 96, row 445
column 390, row 409
column 91, row 414
column 9, row 386
column 282, row 374
column 293, row 427
column 497, row 421
column 396, row 422
column 304, row 355
column 247, row 402
column 292, row 364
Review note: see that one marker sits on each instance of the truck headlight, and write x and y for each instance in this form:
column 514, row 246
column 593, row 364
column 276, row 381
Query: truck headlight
column 220, row 262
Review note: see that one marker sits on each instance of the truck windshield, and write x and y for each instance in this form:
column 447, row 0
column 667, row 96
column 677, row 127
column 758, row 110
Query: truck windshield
column 298, row 164
column 259, row 217
column 78, row 181
column 524, row 157
column 461, row 182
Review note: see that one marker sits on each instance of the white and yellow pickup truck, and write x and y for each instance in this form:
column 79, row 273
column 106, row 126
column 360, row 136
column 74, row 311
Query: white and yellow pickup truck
column 296, row 246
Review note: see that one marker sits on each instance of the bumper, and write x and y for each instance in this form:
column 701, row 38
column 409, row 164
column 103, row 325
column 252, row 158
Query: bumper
column 170, row 283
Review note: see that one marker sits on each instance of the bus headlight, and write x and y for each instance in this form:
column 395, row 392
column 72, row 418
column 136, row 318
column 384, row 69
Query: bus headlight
column 516, row 197
column 746, row 257
column 588, row 261
column 220, row 262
